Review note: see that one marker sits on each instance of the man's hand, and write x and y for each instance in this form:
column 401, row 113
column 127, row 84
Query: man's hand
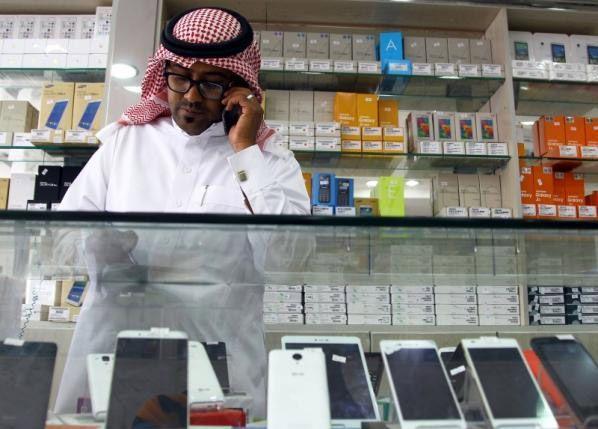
column 244, row 133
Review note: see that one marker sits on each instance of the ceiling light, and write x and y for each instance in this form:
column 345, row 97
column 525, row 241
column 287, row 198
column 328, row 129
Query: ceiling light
column 135, row 89
column 412, row 183
column 122, row 71
column 371, row 183
column 524, row 87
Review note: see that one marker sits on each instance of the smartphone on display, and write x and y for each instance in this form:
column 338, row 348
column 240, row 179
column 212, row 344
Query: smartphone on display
column 509, row 393
column 521, row 51
column 89, row 114
column 76, row 294
column 558, row 53
column 204, row 388
column 375, row 367
column 217, row 354
column 420, row 385
column 574, row 372
column 593, row 55
column 56, row 114
column 343, row 193
column 297, row 390
column 26, row 372
column 324, row 189
column 352, row 399
column 149, row 381
column 446, row 353
column 99, row 375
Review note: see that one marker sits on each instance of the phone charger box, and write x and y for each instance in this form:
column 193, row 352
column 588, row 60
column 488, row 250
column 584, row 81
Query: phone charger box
column 294, row 45
column 325, row 308
column 367, row 110
column 345, row 109
column 391, row 47
column 487, row 127
column 283, row 307
column 480, row 51
column 324, row 106
column 420, row 127
column 17, row 116
column 457, row 320
column 364, row 47
column 369, row 319
column 277, row 105
column 413, row 320
column 341, row 47
column 271, row 43
column 318, row 46
column 325, row 319
column 410, row 309
column 437, row 50
column 415, row 49
column 459, row 51
column 22, row 189
column 323, row 288
column 408, row 299
column 287, row 297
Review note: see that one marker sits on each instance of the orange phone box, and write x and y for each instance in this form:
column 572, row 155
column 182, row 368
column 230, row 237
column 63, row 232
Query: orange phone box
column 345, row 108
column 307, row 179
column 367, row 110
column 388, row 113
column 575, row 131
column 591, row 131
column 528, row 191
column 549, row 134
column 559, row 195
column 592, row 199
column 575, row 186
column 543, row 184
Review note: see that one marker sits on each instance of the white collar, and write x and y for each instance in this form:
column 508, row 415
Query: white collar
column 214, row 130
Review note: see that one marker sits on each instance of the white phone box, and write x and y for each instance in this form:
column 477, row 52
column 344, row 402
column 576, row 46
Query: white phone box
column 367, row 289
column 284, row 288
column 420, row 298
column 280, row 307
column 326, row 308
column 282, row 297
column 498, row 299
column 399, row 290
column 500, row 320
column 547, row 320
column 369, row 319
column 495, row 290
column 358, row 308
column 283, row 318
column 331, row 297
column 457, row 320
column 410, row 309
column 325, row 319
column 456, row 299
column 413, row 320
column 457, row 310
column 323, row 288
column 454, row 289
column 498, row 310
column 369, row 298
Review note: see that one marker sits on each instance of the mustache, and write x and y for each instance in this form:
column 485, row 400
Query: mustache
column 193, row 106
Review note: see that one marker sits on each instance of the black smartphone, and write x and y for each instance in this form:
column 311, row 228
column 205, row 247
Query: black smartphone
column 217, row 353
column 231, row 117
column 375, row 369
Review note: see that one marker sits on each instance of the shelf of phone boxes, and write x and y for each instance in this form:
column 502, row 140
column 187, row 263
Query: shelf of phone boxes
column 557, row 57
column 558, row 305
column 54, row 300
column 55, row 41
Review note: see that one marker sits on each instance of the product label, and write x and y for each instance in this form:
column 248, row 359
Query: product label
column 344, row 67
column 372, row 146
column 394, row 147
column 320, row 65
column 331, row 129
column 498, row 149
column 587, row 212
column 330, row 144
column 547, row 210
column 479, row 149
column 469, row 70
column 454, row 148
column 345, row 211
column 351, row 145
column 479, row 212
column 529, row 210
column 589, row 151
column 446, row 69
column 502, row 213
column 272, row 64
column 567, row 212
column 322, row 211
column 430, row 148
column 368, row 67
column 492, row 70
column 74, row 136
column 568, row 151
column 44, row 136
column 295, row 65
column 59, row 314
column 423, row 69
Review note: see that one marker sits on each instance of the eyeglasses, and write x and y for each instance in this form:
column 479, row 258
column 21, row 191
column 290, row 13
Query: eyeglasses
column 182, row 84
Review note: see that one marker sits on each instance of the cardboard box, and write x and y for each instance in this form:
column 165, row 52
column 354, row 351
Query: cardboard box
column 282, row 288
column 326, row 308
column 371, row 134
column 415, row 49
column 446, row 191
column 466, row 129
column 559, row 193
column 490, row 191
column 89, row 106
column 318, row 46
column 277, row 105
column 456, row 299
column 414, row 320
column 283, row 319
column 301, row 108
column 350, row 133
column 393, row 134
column 437, row 50
column 592, row 131
column 469, row 190
column 388, row 113
column 57, row 106
column 326, row 297
column 367, row 110
column 286, row 297
column 367, row 207
column 48, row 183
column 543, row 184
column 442, row 309
column 323, row 106
column 345, row 109
column 575, row 131
column 409, row 299
column 323, row 288
column 368, row 319
column 364, row 47
column 457, row 320
column 341, row 47
column 444, row 126
column 351, row 146
column 575, row 188
column 325, row 319
column 487, row 127
column 4, row 191
column 271, row 43
column 363, row 308
column 22, row 189
column 294, row 45
column 459, row 52
column 420, row 127
column 528, row 190
column 550, row 48
column 69, row 174
column 481, row 51
column 282, row 307
column 17, row 116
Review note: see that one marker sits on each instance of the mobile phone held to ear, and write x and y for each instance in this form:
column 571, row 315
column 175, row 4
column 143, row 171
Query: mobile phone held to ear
column 231, row 117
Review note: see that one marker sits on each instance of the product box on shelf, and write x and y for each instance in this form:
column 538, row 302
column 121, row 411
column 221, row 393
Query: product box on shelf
column 301, row 106
column 271, row 43
column 283, row 319
column 459, row 51
column 444, row 126
column 4, row 190
column 446, row 191
column 591, row 129
column 587, row 212
column 283, row 307
column 550, row 48
column 487, row 127
column 364, row 47
column 583, row 49
column 408, row 290
column 344, row 192
column 498, row 310
column 415, row 49
column 480, row 51
column 294, row 45
column 351, row 145
column 465, row 126
column 412, row 299
column 287, row 297
column 388, row 113
column 22, row 189
column 390, row 192
column 469, row 190
column 328, row 144
column 413, row 309
column 325, row 297
column 453, row 289
column 372, row 146
column 420, row 127
column 499, row 320
column 324, row 288
column 88, row 106
column 371, row 134
column 281, row 127
column 345, row 109
column 367, row 207
column 323, row 106
column 413, row 320
column 490, row 191
column 17, row 116
column 323, row 189
column 391, row 48
column 318, row 46
column 463, row 310
column 575, row 188
column 277, row 105
column 341, row 47
column 325, row 319
column 369, row 319
column 575, row 131
column 301, row 129
column 457, row 320
column 48, row 183
column 543, row 184
column 328, row 129
column 437, row 50
column 368, row 298
column 283, row 288
column 57, row 106
column 325, row 308
column 367, row 110
column 456, row 299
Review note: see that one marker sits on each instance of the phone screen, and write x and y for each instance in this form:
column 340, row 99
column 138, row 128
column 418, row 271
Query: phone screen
column 574, row 371
column 466, row 129
column 89, row 115
column 593, row 55
column 56, row 114
column 347, row 380
column 507, row 383
column 76, row 292
column 25, row 382
column 217, row 354
column 521, row 51
column 149, row 384
column 422, row 389
column 558, row 53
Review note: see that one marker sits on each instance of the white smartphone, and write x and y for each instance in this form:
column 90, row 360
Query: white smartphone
column 509, row 393
column 420, row 385
column 149, row 381
column 352, row 399
column 77, row 293
column 296, row 383
column 99, row 375
column 204, row 388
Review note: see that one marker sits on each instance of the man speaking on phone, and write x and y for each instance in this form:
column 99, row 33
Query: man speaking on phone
column 172, row 152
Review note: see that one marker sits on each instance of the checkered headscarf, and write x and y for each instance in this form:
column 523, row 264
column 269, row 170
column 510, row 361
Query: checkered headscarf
column 207, row 26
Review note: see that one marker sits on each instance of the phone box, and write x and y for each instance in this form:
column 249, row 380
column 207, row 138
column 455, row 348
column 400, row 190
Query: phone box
column 465, row 127
column 326, row 308
column 550, row 48
column 587, row 212
column 409, row 299
column 102, row 22
column 498, row 299
column 369, row 319
column 487, row 127
column 459, row 52
column 480, row 51
column 575, row 130
column 282, row 307
column 462, row 310
column 367, row 110
column 393, row 134
column 271, row 43
column 559, row 193
column 391, row 194
column 500, row 320
column 498, row 310
column 456, row 299
column 22, row 189
column 522, row 46
column 469, row 190
column 69, row 174
column 589, row 290
column 325, row 319
column 583, row 49
column 440, row 290
column 546, row 299
column 410, row 309
column 367, row 207
column 318, row 46
column 420, row 127
column 324, row 288
column 437, row 50
column 446, row 191
column 329, row 297
column 4, row 189
column 288, row 297
column 391, row 47
column 88, row 107
column 581, row 299
column 323, row 189
column 344, row 192
column 301, row 107
column 549, row 134
column 341, row 47
column 324, row 106
column 457, row 320
column 444, row 126
column 57, row 106
column 47, row 184
column 373, row 146
column 17, row 116
column 415, row 49
column 368, row 298
column 388, row 113
column 345, row 109
column 97, row 61
column 283, row 319
column 413, row 320
column 575, row 188
column 367, row 289
column 328, row 144
column 364, row 47
column 393, row 147
column 8, row 27
column 294, row 45
column 283, row 288
column 27, row 26
column 592, row 131
column 490, row 191
column 395, row 289
column 360, row 308
column 371, row 134
column 528, row 190
column 351, row 146
column 278, row 105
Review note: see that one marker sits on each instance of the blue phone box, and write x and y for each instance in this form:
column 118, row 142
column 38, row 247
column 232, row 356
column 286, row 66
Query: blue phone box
column 391, row 48
column 323, row 189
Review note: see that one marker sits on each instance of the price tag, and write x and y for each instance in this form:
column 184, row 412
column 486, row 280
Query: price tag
column 587, row 212
column 492, row 70
column 529, row 210
column 59, row 314
column 295, row 65
column 469, row 70
column 430, row 148
column 547, row 210
column 345, row 211
column 479, row 212
column 368, row 67
column 41, row 135
column 502, row 213
column 568, row 151
column 92, row 140
column 320, row 65
column 401, row 67
column 446, row 69
column 76, row 136
column 322, row 211
column 498, row 149
column 567, row 212
column 454, row 148
column 589, row 151
column 422, row 69
column 460, row 212
column 472, row 148
column 37, row 207
column 272, row 64
column 344, row 66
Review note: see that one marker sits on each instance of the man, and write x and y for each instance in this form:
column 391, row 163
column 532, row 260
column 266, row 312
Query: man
column 170, row 153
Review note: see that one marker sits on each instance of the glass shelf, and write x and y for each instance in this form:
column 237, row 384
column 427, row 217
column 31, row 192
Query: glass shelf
column 35, row 78
column 38, row 152
column 545, row 91
column 583, row 166
column 410, row 161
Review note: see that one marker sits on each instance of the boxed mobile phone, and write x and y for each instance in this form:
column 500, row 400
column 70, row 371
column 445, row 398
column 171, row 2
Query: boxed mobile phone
column 413, row 309
column 469, row 190
column 420, row 127
column 393, row 134
column 57, row 106
column 456, row 309
column 367, row 111
column 359, row 308
column 583, row 319
column 495, row 290
column 369, row 319
column 301, row 106
column 371, row 134
column 294, row 45
column 391, row 48
column 288, row 297
column 318, row 46
column 283, row 288
column 415, row 49
column 479, row 213
column 587, row 212
column 329, row 297
column 498, row 310
column 581, row 309
column 522, row 46
column 351, row 146
column 546, row 290
column 323, row 106
column 487, row 127
column 388, row 113
column 325, row 308
column 364, row 47
column 17, row 116
column 583, row 49
column 550, row 48
column 543, row 184
column 481, row 51
column 437, row 50
column 305, row 144
column 271, row 43
column 546, row 299
column 282, row 307
column 546, row 320
column 456, row 299
column 490, row 191
column 277, row 105
column 341, row 47
column 454, row 289
column 345, row 109
column 498, row 299
column 548, row 309
column 328, row 144
column 368, row 298
column 4, row 188
column 47, row 184
column 579, row 298
column 446, row 191
column 325, row 319
column 281, row 127
column 22, row 189
column 457, row 320
column 367, row 289
column 465, row 127
column 88, row 107
column 459, row 51
column 324, row 288
column 350, row 133
column 585, row 290
column 282, row 319
column 328, row 129
column 372, row 146
column 413, row 320
column 394, row 289
column 419, row 299
column 27, row 26
column 500, row 320
column 444, row 126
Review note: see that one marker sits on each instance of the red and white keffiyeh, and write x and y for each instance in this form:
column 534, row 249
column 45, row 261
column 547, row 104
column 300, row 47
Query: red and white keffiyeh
column 206, row 26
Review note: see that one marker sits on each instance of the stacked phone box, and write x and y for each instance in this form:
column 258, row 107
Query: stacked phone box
column 392, row 305
column 560, row 305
